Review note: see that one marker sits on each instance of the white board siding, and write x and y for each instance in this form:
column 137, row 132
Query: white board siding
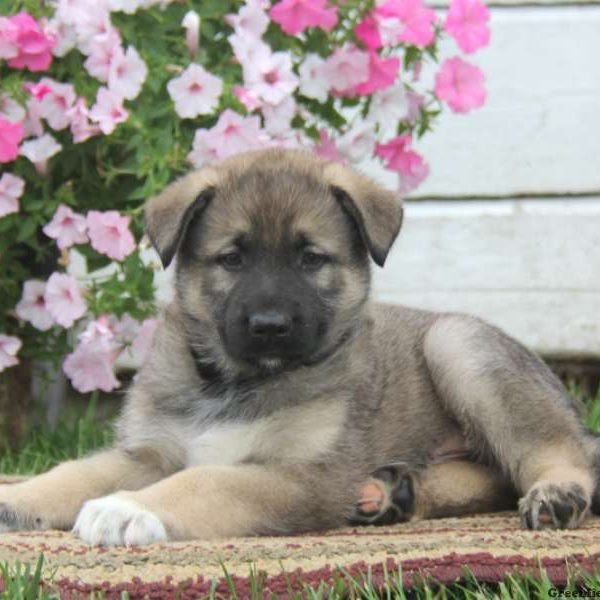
column 531, row 267
column 539, row 132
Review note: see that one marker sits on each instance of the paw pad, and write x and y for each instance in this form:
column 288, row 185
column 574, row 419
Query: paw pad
column 386, row 498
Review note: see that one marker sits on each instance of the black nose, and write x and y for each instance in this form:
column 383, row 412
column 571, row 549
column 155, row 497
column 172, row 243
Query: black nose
column 269, row 323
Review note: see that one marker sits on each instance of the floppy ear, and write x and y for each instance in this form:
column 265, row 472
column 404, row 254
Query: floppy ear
column 169, row 214
column 376, row 211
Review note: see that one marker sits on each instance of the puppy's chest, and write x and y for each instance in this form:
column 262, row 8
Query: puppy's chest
column 293, row 435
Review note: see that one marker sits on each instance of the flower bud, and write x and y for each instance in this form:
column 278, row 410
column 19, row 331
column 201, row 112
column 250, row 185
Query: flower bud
column 191, row 23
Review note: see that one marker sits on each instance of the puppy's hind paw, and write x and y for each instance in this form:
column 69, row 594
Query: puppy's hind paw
column 116, row 521
column 550, row 505
column 387, row 497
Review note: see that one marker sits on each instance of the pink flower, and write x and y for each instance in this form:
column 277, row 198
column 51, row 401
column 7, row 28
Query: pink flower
column 234, row 133
column 10, row 110
column 103, row 49
column 231, row 134
column 247, row 98
column 413, row 19
column 195, row 92
column 32, row 125
column 108, row 111
column 248, row 48
column 467, row 23
column 11, row 189
column 63, row 299
column 278, row 118
column 9, row 33
column 127, row 73
column 191, row 24
column 34, row 45
column 270, row 76
column 399, row 157
column 11, row 135
column 314, row 80
column 358, row 142
column 65, row 35
column 389, row 106
column 327, row 147
column 250, row 19
column 104, row 327
column 109, row 233
column 382, row 74
column 294, row 16
column 90, row 366
column 38, row 90
column 92, row 23
column 367, row 31
column 346, row 68
column 461, row 85
column 130, row 6
column 32, row 306
column 67, row 227
column 55, row 103
column 40, row 150
column 204, row 148
column 81, row 127
column 9, row 346
column 415, row 103
column 143, row 341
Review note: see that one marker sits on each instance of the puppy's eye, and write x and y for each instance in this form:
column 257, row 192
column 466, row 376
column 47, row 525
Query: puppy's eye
column 312, row 261
column 231, row 261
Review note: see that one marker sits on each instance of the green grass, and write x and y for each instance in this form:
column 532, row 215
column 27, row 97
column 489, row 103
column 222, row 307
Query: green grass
column 593, row 413
column 41, row 449
column 23, row 582
column 79, row 435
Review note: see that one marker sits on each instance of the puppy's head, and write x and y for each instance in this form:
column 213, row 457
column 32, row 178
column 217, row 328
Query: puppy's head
column 272, row 254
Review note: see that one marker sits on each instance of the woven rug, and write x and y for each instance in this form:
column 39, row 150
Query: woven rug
column 491, row 546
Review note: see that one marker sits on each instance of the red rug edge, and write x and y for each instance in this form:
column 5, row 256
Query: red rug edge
column 485, row 567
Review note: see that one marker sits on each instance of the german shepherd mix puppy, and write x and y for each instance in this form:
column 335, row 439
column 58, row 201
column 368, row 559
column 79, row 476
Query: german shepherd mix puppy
column 278, row 399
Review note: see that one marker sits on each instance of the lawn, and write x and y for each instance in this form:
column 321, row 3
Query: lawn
column 78, row 434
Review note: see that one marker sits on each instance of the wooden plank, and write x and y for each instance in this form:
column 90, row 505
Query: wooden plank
column 531, row 267
column 539, row 132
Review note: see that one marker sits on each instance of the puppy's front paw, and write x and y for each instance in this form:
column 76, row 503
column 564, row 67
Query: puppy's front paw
column 22, row 511
column 12, row 519
column 550, row 505
column 117, row 521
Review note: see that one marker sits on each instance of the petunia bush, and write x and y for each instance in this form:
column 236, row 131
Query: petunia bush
column 104, row 102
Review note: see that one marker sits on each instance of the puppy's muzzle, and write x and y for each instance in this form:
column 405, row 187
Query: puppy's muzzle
column 270, row 324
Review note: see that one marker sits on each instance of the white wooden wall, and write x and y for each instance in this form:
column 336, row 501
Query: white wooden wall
column 508, row 224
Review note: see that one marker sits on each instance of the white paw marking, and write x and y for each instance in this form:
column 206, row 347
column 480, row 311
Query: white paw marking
column 114, row 521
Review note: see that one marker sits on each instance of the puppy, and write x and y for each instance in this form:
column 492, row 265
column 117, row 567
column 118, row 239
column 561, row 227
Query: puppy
column 277, row 396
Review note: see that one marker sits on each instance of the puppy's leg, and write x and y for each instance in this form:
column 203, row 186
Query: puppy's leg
column 217, row 501
column 53, row 499
column 512, row 407
column 395, row 493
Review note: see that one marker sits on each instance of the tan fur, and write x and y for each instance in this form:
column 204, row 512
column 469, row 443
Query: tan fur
column 288, row 452
column 52, row 500
column 192, row 503
column 461, row 487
